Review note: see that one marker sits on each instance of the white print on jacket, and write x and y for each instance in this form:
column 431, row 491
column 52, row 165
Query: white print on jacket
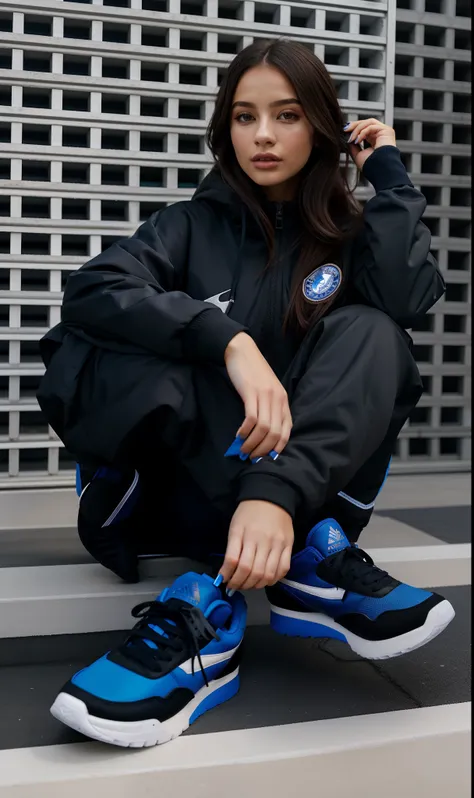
column 220, row 300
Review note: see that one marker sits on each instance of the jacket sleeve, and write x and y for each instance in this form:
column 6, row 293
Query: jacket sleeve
column 131, row 293
column 393, row 268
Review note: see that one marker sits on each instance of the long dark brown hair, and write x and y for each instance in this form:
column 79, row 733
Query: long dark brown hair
column 330, row 214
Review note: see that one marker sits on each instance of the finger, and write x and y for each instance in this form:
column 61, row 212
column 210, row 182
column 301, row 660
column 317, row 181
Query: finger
column 259, row 565
column 284, row 564
column 269, row 576
column 285, row 434
column 274, row 434
column 360, row 126
column 244, row 566
column 262, row 426
column 368, row 131
column 250, row 416
column 232, row 554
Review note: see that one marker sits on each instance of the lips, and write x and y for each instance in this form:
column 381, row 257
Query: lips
column 267, row 157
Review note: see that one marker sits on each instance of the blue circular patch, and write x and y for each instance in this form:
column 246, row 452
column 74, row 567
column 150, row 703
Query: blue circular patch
column 322, row 283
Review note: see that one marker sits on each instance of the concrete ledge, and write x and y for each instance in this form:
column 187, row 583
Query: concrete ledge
column 70, row 599
column 411, row 752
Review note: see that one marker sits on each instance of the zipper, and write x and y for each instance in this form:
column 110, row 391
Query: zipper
column 279, row 217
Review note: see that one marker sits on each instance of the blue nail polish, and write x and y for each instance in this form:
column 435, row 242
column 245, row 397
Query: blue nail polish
column 243, row 456
column 230, row 592
column 348, row 125
column 218, row 580
column 273, row 454
column 357, row 140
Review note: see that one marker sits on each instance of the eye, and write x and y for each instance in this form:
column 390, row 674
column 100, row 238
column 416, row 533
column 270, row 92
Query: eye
column 289, row 116
column 239, row 118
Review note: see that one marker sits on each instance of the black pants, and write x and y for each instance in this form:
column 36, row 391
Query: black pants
column 354, row 375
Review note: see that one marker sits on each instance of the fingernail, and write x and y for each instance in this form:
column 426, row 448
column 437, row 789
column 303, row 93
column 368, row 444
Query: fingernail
column 273, row 454
column 348, row 125
column 230, row 592
column 218, row 580
column 357, row 140
column 350, row 138
column 243, row 456
column 256, row 459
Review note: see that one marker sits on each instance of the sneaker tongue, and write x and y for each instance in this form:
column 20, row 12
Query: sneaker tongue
column 199, row 590
column 327, row 537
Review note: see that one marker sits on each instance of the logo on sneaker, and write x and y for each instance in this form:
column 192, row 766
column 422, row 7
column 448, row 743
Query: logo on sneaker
column 335, row 538
column 188, row 592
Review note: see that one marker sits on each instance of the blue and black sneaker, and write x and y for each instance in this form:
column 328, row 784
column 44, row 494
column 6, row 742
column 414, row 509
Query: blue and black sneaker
column 333, row 589
column 180, row 660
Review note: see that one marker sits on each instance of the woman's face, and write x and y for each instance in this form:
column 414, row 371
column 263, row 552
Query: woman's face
column 268, row 119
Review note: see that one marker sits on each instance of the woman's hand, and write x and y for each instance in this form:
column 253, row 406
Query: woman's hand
column 259, row 546
column 374, row 133
column 268, row 421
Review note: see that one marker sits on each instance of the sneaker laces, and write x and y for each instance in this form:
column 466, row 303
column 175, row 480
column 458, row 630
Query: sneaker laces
column 356, row 564
column 184, row 629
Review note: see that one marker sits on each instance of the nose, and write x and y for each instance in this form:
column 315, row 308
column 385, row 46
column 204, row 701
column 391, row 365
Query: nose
column 264, row 133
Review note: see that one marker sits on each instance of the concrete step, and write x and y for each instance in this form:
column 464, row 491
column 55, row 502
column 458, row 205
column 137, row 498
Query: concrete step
column 69, row 599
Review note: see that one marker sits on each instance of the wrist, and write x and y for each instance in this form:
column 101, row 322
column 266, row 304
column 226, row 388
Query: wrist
column 237, row 343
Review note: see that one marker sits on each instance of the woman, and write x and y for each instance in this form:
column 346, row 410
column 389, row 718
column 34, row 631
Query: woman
column 268, row 310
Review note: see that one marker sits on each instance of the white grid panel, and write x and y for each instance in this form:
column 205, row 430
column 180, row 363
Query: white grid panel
column 104, row 108
column 433, row 122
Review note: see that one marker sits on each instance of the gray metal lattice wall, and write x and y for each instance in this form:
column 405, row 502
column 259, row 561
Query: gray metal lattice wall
column 104, row 105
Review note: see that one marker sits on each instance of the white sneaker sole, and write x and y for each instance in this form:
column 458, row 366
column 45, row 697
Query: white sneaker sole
column 314, row 624
column 143, row 733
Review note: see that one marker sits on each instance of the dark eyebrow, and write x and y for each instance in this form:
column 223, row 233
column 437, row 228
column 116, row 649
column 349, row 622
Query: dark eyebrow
column 291, row 100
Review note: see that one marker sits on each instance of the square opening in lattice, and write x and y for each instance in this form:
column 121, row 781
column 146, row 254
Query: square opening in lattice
column 155, row 5
column 34, row 25
column 432, row 194
column 450, row 446
column 35, row 244
column 461, row 197
column 228, row 43
column 193, row 76
column 336, row 55
column 117, row 3
column 420, row 416
column 75, row 245
column 192, row 40
column 29, row 384
column 4, row 358
column 461, row 103
column 194, row 7
column 114, row 211
column 115, row 139
column 452, row 384
column 77, row 29
column 5, row 95
column 76, row 65
column 4, row 316
column 5, row 59
column 405, row 32
column 33, row 460
column 153, row 72
column 189, row 178
column 453, row 354
column 434, row 6
column 108, row 241
column 116, row 32
column 76, row 137
column 115, row 104
column 403, row 98
column 302, row 18
column 34, row 280
column 114, row 175
column 152, row 106
column 154, row 37
column 5, row 133
column 190, row 145
column 148, row 208
column 267, row 14
column 4, row 279
column 370, row 92
column 35, row 207
column 461, row 134
column 454, row 323
column 337, row 21
column 459, row 228
column 432, row 164
column 36, row 62
column 459, row 261
column 404, row 65
column 152, row 142
column 4, row 243
column 431, row 132
column 462, row 71
column 6, row 22
column 189, row 109
column 34, row 316
column 5, row 169
column 230, row 9
column 116, row 68
column 432, row 225
column 433, row 101
column 371, row 59
column 462, row 39
column 30, row 352
column 404, row 3
column 424, row 323
column 404, row 130
column 78, row 101
column 342, row 89
column 151, row 177
column 36, row 98
column 75, row 173
column 5, row 206
column 434, row 36
column 370, row 26
column 75, row 208
column 36, row 134
column 423, row 353
column 433, row 68
column 33, row 423
column 419, row 447
column 463, row 8
column 460, row 166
